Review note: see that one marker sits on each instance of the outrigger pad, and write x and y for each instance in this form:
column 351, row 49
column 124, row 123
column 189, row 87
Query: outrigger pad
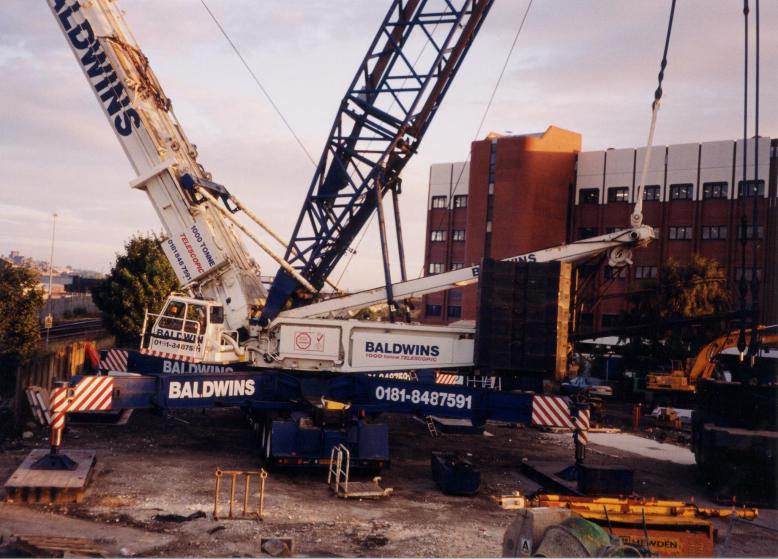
column 29, row 483
column 54, row 461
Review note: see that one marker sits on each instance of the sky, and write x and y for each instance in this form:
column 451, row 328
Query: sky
column 584, row 65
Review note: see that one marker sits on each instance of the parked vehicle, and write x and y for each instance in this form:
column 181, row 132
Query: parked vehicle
column 586, row 385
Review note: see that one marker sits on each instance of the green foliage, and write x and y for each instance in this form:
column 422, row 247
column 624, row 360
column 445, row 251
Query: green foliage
column 141, row 279
column 21, row 299
column 681, row 291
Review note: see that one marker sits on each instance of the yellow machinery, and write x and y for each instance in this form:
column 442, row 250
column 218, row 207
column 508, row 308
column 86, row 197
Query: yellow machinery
column 684, row 378
column 664, row 528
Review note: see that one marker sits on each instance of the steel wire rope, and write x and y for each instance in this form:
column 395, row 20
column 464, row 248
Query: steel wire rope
column 264, row 91
column 485, row 113
column 744, row 191
column 753, row 346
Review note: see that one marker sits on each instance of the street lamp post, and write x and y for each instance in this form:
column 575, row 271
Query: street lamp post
column 49, row 320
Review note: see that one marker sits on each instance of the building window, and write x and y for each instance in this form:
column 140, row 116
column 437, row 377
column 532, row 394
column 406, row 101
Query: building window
column 460, row 201
column 457, row 266
column 609, row 320
column 436, row 268
column 681, row 191
column 714, row 232
column 439, row 202
column 458, row 235
column 618, row 194
column 589, row 196
column 749, row 189
column 681, row 233
column 750, row 232
column 437, row 236
column 586, row 232
column 645, row 272
column 714, row 190
column 748, row 273
column 454, row 311
column 433, row 310
column 615, row 273
column 488, row 226
column 651, row 192
column 491, row 188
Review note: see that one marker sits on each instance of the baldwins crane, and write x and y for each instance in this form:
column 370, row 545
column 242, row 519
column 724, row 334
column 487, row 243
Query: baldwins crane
column 226, row 316
column 277, row 355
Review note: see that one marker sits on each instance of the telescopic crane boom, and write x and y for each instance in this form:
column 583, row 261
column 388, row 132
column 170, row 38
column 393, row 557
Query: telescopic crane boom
column 209, row 260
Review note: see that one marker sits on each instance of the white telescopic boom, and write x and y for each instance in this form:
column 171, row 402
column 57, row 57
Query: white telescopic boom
column 207, row 256
column 619, row 244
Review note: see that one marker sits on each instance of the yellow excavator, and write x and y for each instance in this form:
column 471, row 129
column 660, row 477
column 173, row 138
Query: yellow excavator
column 683, row 378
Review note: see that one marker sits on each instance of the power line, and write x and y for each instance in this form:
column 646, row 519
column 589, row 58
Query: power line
column 259, row 84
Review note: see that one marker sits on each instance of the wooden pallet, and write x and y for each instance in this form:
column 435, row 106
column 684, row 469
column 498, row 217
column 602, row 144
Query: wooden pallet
column 51, row 486
column 47, row 546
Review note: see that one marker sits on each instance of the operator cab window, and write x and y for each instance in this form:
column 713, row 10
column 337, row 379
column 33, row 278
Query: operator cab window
column 195, row 319
column 171, row 318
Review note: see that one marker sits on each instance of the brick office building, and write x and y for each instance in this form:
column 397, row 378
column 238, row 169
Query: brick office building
column 511, row 198
column 525, row 193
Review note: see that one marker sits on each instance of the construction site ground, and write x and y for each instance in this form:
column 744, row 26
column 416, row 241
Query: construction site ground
column 158, row 465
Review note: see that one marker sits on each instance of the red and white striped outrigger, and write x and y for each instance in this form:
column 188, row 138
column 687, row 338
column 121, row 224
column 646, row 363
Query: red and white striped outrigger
column 558, row 411
column 91, row 393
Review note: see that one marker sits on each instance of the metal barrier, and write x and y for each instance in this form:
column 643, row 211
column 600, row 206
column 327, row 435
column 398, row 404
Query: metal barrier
column 261, row 476
column 337, row 475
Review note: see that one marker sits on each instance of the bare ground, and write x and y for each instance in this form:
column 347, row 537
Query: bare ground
column 165, row 465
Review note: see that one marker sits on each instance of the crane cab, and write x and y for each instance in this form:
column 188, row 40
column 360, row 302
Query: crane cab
column 190, row 329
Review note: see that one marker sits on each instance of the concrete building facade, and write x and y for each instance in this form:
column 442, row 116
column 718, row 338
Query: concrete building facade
column 524, row 193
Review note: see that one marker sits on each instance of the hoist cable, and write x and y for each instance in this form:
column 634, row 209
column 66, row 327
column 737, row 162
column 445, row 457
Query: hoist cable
column 636, row 219
column 259, row 84
column 486, row 112
column 744, row 191
column 753, row 346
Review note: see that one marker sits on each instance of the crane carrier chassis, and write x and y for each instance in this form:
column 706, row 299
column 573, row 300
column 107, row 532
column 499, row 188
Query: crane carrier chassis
column 290, row 411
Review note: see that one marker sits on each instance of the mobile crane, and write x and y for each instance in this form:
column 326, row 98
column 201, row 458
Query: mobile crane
column 277, row 351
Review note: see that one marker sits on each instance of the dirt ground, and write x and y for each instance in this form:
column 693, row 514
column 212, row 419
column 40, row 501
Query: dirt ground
column 158, row 465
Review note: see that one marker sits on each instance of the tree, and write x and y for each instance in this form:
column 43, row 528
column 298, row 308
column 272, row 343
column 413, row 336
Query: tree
column 141, row 279
column 21, row 299
column 680, row 291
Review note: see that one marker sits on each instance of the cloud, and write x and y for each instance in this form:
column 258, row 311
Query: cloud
column 588, row 66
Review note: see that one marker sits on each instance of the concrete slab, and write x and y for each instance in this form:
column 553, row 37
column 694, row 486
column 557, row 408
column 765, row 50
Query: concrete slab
column 644, row 447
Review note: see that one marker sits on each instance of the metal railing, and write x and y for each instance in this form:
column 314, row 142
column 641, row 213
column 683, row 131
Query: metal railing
column 337, row 475
column 261, row 475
